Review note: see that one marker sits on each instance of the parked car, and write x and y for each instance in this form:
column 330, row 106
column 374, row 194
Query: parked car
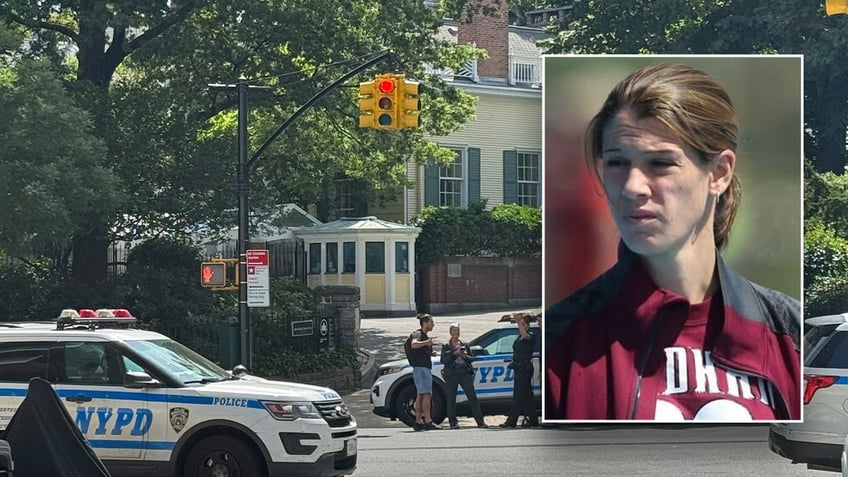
column 820, row 327
column 819, row 440
column 148, row 405
column 393, row 392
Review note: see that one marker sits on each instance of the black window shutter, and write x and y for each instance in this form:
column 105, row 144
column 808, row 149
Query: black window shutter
column 473, row 174
column 431, row 183
column 510, row 177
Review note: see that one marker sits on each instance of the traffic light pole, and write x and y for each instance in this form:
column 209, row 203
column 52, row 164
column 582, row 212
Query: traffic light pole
column 243, row 186
column 243, row 194
column 243, row 191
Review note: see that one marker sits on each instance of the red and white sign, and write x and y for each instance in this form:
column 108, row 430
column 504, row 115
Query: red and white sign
column 258, row 287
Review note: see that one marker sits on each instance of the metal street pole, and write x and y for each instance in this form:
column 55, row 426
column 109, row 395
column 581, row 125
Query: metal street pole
column 243, row 191
column 243, row 186
column 243, row 194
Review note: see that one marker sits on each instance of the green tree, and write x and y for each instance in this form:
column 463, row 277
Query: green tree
column 731, row 27
column 508, row 230
column 53, row 182
column 141, row 69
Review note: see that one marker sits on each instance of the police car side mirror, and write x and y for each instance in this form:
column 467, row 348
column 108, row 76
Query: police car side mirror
column 139, row 379
column 478, row 350
column 239, row 370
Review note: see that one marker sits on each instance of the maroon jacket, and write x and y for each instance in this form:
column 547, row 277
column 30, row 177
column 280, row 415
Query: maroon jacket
column 592, row 332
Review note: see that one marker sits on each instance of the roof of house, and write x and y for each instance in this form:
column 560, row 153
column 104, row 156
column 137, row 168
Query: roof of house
column 369, row 223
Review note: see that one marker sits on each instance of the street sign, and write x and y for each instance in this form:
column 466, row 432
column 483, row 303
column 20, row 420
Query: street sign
column 302, row 328
column 258, row 287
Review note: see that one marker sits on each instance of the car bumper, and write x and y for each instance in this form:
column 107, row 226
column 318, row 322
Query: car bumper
column 813, row 453
column 379, row 403
column 382, row 411
column 329, row 465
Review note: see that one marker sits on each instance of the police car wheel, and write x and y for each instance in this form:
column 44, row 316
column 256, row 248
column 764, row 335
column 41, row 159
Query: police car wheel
column 221, row 456
column 404, row 405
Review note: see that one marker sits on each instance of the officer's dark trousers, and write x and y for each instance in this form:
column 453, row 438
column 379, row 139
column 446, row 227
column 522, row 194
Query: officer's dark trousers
column 523, row 403
column 464, row 379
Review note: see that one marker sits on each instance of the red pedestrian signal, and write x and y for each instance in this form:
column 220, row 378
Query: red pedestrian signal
column 213, row 274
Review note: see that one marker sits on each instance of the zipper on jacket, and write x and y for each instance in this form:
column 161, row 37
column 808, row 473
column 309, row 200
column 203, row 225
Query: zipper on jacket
column 643, row 363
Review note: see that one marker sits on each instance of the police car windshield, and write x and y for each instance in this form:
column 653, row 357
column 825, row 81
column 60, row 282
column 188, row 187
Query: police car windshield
column 179, row 361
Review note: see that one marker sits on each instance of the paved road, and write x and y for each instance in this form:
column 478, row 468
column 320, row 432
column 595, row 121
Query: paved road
column 625, row 450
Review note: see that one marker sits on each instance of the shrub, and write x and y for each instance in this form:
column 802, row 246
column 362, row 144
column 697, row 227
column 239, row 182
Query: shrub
column 508, row 230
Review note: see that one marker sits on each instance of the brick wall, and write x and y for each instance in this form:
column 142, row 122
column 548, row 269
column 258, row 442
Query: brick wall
column 491, row 33
column 460, row 283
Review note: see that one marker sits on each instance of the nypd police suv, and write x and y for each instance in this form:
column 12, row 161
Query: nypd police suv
column 149, row 405
column 393, row 392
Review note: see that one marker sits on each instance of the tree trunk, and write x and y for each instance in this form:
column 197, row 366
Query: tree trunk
column 88, row 264
column 831, row 146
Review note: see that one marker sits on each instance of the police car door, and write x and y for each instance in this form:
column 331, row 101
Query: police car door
column 115, row 420
column 493, row 379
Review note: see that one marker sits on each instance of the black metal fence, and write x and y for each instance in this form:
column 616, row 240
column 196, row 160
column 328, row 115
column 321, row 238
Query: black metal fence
column 287, row 258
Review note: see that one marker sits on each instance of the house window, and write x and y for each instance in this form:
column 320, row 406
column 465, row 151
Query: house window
column 402, row 257
column 332, row 257
column 314, row 258
column 528, row 178
column 452, row 182
column 344, row 197
column 375, row 257
column 349, row 251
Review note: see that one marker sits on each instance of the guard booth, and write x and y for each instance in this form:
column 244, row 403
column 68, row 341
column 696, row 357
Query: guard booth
column 373, row 254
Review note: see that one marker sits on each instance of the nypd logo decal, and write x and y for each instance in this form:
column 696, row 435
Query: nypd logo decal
column 178, row 417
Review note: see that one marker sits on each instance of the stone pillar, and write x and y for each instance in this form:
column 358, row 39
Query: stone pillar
column 343, row 304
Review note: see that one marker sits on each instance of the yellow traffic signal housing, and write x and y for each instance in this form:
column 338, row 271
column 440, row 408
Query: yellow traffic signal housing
column 385, row 101
column 213, row 274
column 366, row 104
column 410, row 105
column 835, row 7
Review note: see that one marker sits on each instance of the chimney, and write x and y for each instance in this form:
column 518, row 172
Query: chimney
column 488, row 30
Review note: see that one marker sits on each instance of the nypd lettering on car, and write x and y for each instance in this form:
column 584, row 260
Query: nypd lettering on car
column 147, row 404
column 393, row 392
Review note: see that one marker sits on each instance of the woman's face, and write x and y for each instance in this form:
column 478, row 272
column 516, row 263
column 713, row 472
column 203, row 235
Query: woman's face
column 660, row 194
column 454, row 332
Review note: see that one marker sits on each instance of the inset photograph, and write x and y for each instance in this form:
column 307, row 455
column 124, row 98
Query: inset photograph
column 672, row 245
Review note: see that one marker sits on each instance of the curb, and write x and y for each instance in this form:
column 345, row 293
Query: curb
column 367, row 369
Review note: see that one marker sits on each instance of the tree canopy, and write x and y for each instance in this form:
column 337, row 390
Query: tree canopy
column 142, row 148
column 729, row 27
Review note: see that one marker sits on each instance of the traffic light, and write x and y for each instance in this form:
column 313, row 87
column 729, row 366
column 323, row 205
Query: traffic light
column 834, row 7
column 385, row 100
column 213, row 274
column 366, row 104
column 409, row 105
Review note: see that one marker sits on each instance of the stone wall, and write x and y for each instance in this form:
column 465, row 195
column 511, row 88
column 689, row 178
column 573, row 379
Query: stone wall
column 339, row 380
column 342, row 303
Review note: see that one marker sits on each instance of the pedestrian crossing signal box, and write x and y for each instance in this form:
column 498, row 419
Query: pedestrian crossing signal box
column 214, row 274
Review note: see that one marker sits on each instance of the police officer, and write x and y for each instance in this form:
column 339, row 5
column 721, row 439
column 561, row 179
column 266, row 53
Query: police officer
column 522, row 367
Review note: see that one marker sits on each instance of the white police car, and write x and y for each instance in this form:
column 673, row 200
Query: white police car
column 820, row 440
column 150, row 406
column 393, row 392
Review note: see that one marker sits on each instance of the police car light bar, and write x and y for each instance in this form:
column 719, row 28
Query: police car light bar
column 93, row 319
